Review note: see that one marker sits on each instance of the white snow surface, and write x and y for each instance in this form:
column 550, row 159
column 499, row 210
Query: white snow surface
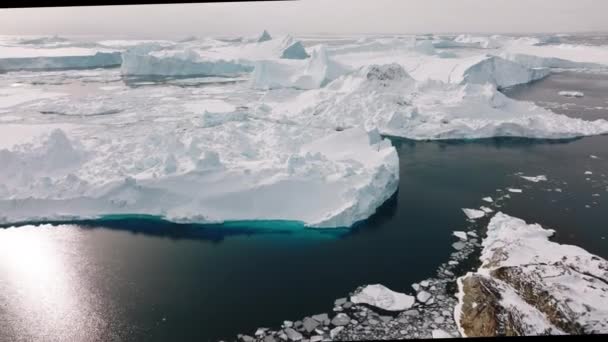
column 382, row 297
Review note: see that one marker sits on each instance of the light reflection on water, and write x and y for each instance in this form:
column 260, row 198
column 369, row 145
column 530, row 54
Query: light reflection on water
column 44, row 296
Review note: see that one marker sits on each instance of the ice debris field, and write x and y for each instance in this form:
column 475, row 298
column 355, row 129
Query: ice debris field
column 250, row 128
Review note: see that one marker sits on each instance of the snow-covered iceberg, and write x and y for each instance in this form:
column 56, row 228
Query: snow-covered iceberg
column 496, row 70
column 228, row 172
column 187, row 62
column 529, row 285
column 210, row 59
column 312, row 73
column 387, row 98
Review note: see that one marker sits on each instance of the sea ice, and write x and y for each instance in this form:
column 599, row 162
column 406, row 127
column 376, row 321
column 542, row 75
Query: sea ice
column 383, row 298
column 486, row 210
column 473, row 214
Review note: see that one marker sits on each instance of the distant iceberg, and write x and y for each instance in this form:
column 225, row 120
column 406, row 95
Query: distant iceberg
column 211, row 60
column 30, row 58
column 386, row 98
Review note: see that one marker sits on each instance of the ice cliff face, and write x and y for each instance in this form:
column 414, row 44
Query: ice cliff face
column 528, row 285
column 312, row 176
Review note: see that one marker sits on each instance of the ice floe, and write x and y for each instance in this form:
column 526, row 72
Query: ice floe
column 569, row 93
column 473, row 214
column 460, row 235
column 382, row 297
column 535, row 179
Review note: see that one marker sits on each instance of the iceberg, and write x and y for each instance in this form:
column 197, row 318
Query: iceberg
column 313, row 73
column 60, row 58
column 496, row 70
column 318, row 177
column 160, row 62
column 264, row 37
column 387, row 98
column 531, row 285
column 211, row 59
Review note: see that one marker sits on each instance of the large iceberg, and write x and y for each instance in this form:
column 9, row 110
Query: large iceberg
column 187, row 62
column 228, row 172
column 210, row 59
column 387, row 98
column 529, row 285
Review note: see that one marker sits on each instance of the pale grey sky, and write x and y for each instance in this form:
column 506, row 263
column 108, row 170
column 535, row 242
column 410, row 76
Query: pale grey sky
column 310, row 17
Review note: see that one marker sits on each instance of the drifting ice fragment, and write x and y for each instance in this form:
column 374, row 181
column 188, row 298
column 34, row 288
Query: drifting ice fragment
column 486, row 209
column 383, row 298
column 535, row 179
column 571, row 93
column 461, row 235
column 488, row 199
column 474, row 213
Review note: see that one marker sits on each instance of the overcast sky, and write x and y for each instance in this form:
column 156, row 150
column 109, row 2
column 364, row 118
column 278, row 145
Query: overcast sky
column 312, row 16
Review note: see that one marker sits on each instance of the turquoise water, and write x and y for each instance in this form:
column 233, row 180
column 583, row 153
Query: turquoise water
column 145, row 279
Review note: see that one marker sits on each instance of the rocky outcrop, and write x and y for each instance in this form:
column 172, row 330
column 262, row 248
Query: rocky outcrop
column 528, row 285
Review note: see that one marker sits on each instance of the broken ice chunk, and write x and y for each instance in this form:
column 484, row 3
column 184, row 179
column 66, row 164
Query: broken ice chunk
column 486, row 209
column 487, row 199
column 461, row 235
column 473, row 213
column 570, row 93
column 536, row 179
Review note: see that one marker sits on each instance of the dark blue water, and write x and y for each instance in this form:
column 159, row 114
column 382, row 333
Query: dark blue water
column 140, row 279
